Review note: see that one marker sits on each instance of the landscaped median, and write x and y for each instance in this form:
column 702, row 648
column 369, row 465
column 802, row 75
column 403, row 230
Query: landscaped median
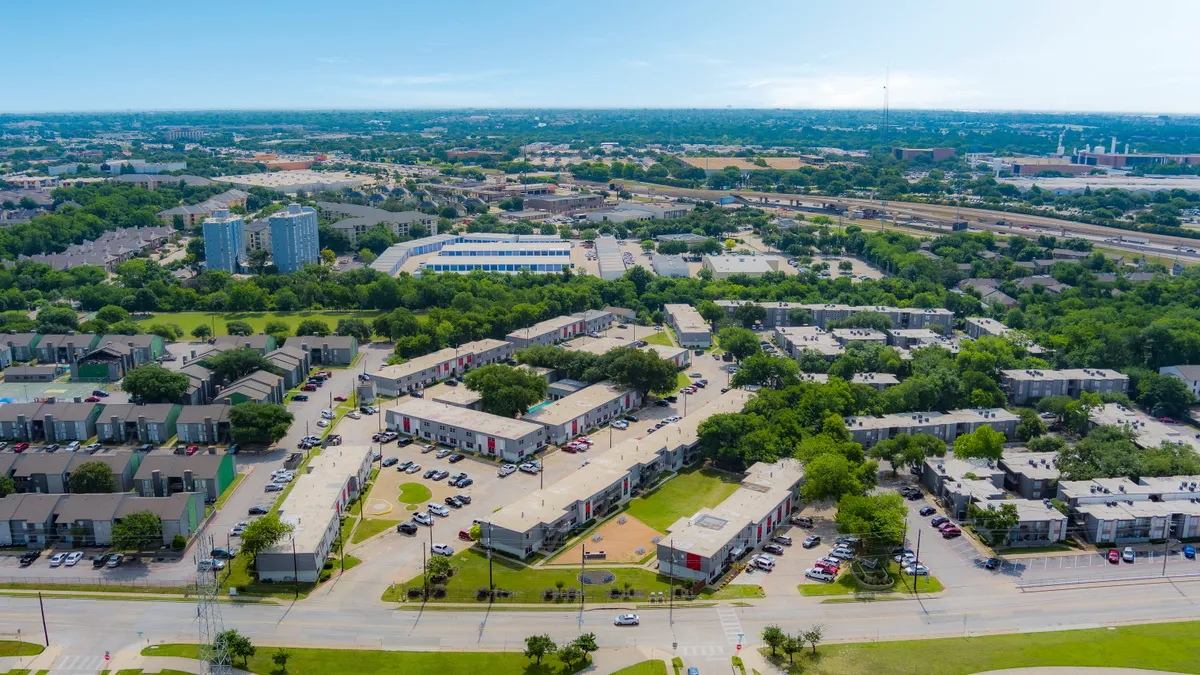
column 847, row 584
column 1170, row 647
column 375, row 662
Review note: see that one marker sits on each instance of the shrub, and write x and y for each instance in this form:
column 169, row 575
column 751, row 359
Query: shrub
column 437, row 591
column 482, row 593
column 178, row 543
column 548, row 594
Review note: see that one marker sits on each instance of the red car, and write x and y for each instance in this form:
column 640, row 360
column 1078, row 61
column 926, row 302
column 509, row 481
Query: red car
column 326, row 373
column 92, row 399
column 826, row 567
column 1113, row 556
column 950, row 532
column 1167, row 420
column 309, row 387
column 340, row 398
column 192, row 449
column 21, row 447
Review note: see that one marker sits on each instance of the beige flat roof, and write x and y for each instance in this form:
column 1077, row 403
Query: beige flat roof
column 687, row 319
column 463, row 418
column 312, row 503
column 581, row 402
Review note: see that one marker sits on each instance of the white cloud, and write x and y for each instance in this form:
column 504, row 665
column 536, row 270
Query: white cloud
column 330, row 59
column 842, row 90
column 425, row 79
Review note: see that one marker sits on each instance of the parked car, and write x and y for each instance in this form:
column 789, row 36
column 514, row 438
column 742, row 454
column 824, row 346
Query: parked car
column 259, row 511
column 427, row 448
column 992, row 563
column 457, row 457
column 819, row 574
column 74, row 557
column 951, row 532
column 28, row 558
column 811, row 541
column 58, row 559
column 300, row 397
column 307, row 387
column 99, row 561
column 775, row 549
column 413, row 468
column 1189, row 552
column 529, row 468
column 328, row 414
column 927, row 511
column 354, row 415
column 100, row 392
column 407, row 528
column 273, row 487
column 453, row 502
column 443, row 453
column 441, row 474
column 939, row 521
column 390, row 461
column 442, row 549
column 627, row 620
column 341, row 399
column 506, row 470
column 803, row 521
column 21, row 447
column 423, row 518
column 92, row 399
column 114, row 561
column 782, row 539
column 1128, row 555
column 464, row 499
column 439, row 510
column 1114, row 556
column 916, row 570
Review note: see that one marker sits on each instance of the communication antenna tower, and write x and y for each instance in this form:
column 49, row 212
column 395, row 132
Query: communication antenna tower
column 214, row 657
column 886, row 112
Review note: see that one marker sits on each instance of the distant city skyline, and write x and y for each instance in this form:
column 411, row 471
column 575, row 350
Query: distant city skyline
column 1067, row 55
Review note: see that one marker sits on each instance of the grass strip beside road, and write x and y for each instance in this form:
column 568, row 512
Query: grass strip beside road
column 369, row 527
column 655, row 667
column 1170, row 647
column 20, row 648
column 375, row 662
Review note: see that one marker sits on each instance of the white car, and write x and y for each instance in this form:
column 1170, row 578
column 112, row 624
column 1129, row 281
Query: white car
column 841, row 554
column 283, row 478
column 72, row 446
column 916, row 571
column 818, row 574
column 620, row 424
column 442, row 549
column 506, row 470
column 354, row 415
column 209, row 565
column 529, row 468
column 443, row 453
column 627, row 620
column 328, row 414
column 438, row 509
column 57, row 559
column 322, row 423
column 73, row 557
column 273, row 487
column 422, row 518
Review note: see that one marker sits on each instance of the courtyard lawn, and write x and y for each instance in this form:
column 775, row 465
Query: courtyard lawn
column 528, row 583
column 683, row 495
column 257, row 320
column 660, row 337
column 375, row 662
column 681, row 381
column 415, row 493
column 18, row 648
column 1160, row 647
column 369, row 527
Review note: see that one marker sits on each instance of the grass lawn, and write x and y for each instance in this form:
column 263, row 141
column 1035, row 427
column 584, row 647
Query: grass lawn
column 681, row 381
column 1162, row 646
column 846, row 584
column 100, row 588
column 660, row 337
column 655, row 667
column 415, row 493
column 257, row 320
column 19, row 648
column 472, row 573
column 681, row 496
column 369, row 527
column 375, row 662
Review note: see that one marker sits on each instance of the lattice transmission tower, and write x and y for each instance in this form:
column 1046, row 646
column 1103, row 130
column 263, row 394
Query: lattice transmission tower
column 214, row 653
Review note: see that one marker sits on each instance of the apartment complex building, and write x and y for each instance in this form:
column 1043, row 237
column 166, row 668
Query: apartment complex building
column 224, row 242
column 460, row 427
column 690, row 328
column 823, row 314
column 586, row 409
column 422, row 371
column 944, row 425
column 1030, row 384
column 553, row 331
column 294, row 238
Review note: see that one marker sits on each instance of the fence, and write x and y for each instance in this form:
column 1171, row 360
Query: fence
column 1045, row 583
column 98, row 581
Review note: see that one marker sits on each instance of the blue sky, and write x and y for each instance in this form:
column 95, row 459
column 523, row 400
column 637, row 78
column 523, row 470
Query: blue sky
column 1017, row 54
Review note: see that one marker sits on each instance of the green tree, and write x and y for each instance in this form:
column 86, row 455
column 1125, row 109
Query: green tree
column 281, row 658
column 366, row 256
column 830, row 476
column 260, row 535
column 587, row 643
column 313, row 327
column 328, row 257
column 539, row 646
column 506, row 391
column 1030, row 425
column 55, row 319
column 137, row 531
column 258, row 259
column 278, row 330
column 815, row 635
column 710, row 312
column 155, row 384
column 799, row 316
column 92, row 478
column 749, row 314
column 238, row 645
column 165, row 331
column 111, row 314
column 740, row 342
column 201, row 332
column 1046, row 444
column 644, row 371
column 792, row 645
column 7, row 486
column 997, row 522
column 878, row 519
column 238, row 328
column 259, row 423
column 1164, row 395
column 767, row 371
column 773, row 637
column 233, row 364
column 571, row 653
column 845, row 265
column 588, row 235
column 985, row 443
column 438, row 566
column 361, row 330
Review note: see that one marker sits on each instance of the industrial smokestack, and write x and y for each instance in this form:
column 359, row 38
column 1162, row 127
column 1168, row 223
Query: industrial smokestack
column 1114, row 145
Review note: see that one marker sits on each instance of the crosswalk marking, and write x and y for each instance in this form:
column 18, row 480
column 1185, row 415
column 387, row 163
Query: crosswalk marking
column 730, row 624
column 702, row 650
column 77, row 665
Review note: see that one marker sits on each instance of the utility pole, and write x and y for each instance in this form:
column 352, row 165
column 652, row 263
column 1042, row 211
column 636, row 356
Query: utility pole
column 582, row 576
column 491, row 584
column 916, row 563
column 295, row 569
column 45, row 631
column 671, row 581
column 1166, row 545
column 424, row 572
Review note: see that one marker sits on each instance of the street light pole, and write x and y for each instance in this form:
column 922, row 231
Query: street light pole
column 671, row 580
column 491, row 584
column 295, row 569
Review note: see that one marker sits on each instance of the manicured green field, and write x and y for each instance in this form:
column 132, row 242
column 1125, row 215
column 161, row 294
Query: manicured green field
column 682, row 496
column 369, row 527
column 257, row 320
column 1169, row 647
column 655, row 667
column 660, row 337
column 375, row 662
column 415, row 493
column 18, row 648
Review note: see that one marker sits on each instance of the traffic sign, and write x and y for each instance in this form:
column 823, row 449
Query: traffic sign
column 739, row 648
column 106, row 657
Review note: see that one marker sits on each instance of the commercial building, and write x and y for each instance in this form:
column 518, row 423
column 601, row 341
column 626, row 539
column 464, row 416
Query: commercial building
column 690, row 328
column 573, row 415
column 702, row 547
column 319, row 497
column 944, row 425
column 930, row 154
column 361, row 219
column 291, row 182
column 125, row 423
column 466, row 429
column 777, row 314
column 422, row 371
column 670, row 266
column 725, row 266
column 505, row 249
column 1189, row 374
column 553, row 331
column 558, row 204
column 329, row 350
column 390, row 261
column 203, row 424
column 162, row 474
column 1026, row 385
column 543, row 519
column 609, row 259
column 224, row 244
column 627, row 211
column 294, row 238
column 506, row 265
